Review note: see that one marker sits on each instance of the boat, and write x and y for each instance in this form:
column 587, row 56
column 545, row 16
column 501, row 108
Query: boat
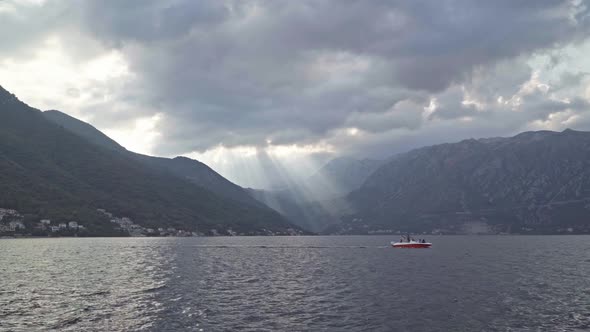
column 411, row 244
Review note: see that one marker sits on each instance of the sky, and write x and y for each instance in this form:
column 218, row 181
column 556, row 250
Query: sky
column 244, row 85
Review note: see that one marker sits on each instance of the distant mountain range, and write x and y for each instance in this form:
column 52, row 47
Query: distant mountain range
column 57, row 167
column 534, row 182
column 54, row 166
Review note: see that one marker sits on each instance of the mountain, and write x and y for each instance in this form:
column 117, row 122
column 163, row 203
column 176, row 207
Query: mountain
column 185, row 168
column 47, row 171
column 82, row 129
column 202, row 175
column 534, row 182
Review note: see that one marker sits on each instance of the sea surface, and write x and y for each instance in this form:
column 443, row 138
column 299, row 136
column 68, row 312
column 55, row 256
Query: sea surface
column 339, row 283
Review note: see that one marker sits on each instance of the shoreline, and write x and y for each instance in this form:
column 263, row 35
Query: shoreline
column 227, row 236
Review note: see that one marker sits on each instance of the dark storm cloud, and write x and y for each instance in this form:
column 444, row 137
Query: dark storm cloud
column 146, row 21
column 249, row 72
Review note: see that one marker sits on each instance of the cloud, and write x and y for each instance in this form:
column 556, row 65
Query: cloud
column 245, row 72
column 363, row 77
column 404, row 114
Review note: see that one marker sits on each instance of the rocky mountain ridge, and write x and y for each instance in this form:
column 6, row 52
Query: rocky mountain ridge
column 534, row 182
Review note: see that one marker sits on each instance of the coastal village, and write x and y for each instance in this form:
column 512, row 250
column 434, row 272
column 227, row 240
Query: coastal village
column 12, row 224
column 10, row 221
column 125, row 224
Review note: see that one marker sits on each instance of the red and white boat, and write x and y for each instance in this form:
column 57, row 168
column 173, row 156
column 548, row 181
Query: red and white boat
column 411, row 244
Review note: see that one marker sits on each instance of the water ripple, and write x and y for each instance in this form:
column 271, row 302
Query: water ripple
column 295, row 284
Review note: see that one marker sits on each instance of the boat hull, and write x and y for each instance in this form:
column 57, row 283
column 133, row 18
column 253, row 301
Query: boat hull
column 411, row 245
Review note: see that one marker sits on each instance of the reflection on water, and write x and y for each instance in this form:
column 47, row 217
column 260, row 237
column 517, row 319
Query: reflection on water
column 81, row 284
column 357, row 283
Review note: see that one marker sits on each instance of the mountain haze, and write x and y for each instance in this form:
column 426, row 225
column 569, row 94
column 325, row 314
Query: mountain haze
column 340, row 176
column 316, row 202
